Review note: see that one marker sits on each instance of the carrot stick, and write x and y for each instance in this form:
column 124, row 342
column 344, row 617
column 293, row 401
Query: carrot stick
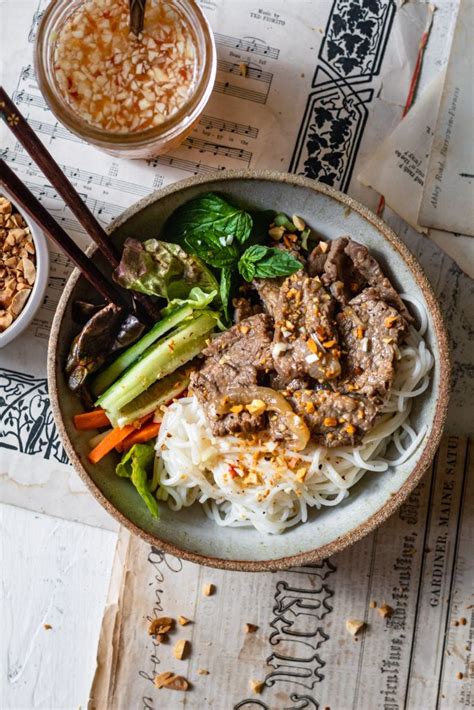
column 140, row 436
column 109, row 442
column 91, row 420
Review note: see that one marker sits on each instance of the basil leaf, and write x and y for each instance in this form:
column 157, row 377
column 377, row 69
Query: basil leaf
column 278, row 263
column 209, row 220
column 224, row 290
column 267, row 262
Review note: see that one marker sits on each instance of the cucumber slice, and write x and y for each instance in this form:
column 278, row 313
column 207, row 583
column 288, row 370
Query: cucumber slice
column 159, row 360
column 127, row 358
column 148, row 401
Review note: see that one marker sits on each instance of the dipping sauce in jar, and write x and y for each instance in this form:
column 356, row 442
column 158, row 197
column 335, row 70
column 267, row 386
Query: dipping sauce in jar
column 133, row 96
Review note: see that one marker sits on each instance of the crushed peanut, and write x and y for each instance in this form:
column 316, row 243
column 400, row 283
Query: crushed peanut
column 256, row 406
column 250, row 628
column 208, row 590
column 47, row 627
column 122, row 83
column 237, row 408
column 17, row 263
column 171, row 681
column 161, row 626
column 276, row 233
column 203, row 671
column 323, row 246
column 329, row 421
column 459, row 675
column 182, row 620
column 298, row 222
column 354, row 626
column 181, row 649
column 243, row 69
column 385, row 611
column 257, row 686
column 373, row 604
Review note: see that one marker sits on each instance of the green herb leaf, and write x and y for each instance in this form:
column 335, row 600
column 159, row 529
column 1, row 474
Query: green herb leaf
column 211, row 228
column 267, row 262
column 136, row 464
column 224, row 290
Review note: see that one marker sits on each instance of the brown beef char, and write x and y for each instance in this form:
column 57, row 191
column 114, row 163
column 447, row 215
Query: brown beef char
column 365, row 264
column 269, row 292
column 334, row 419
column 370, row 331
column 347, row 267
column 235, row 359
column 243, row 308
column 305, row 341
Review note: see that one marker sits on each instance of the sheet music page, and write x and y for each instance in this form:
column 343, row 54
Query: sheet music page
column 419, row 563
column 314, row 72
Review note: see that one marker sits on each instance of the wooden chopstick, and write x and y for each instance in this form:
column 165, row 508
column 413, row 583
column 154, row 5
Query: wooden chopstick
column 17, row 123
column 24, row 198
column 25, row 135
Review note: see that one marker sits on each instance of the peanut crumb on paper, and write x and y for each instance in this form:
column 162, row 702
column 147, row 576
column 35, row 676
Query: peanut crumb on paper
column 250, row 628
column 208, row 590
column 385, row 611
column 203, row 671
column 171, row 681
column 257, row 686
column 355, row 626
column 459, row 675
column 47, row 627
column 183, row 621
column 161, row 626
column 373, row 604
column 181, row 649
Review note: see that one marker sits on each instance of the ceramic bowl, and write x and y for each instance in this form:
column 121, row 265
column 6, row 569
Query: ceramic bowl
column 39, row 287
column 189, row 533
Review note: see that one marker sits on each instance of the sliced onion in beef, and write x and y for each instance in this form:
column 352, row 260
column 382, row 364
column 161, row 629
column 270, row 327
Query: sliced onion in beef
column 275, row 402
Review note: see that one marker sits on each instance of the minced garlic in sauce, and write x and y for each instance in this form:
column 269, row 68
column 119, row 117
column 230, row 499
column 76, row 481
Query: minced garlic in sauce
column 119, row 82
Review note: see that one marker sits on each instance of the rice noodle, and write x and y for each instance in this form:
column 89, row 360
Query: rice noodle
column 242, row 482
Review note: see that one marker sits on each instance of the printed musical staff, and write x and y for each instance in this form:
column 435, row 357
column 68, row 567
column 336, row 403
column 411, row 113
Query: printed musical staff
column 190, row 166
column 216, row 149
column 247, row 44
column 212, row 122
column 84, row 176
column 252, row 72
column 23, row 97
column 247, row 87
column 99, row 207
column 225, row 87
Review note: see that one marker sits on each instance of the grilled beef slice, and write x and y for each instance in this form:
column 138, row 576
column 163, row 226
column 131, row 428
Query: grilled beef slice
column 370, row 331
column 333, row 418
column 235, row 359
column 305, row 341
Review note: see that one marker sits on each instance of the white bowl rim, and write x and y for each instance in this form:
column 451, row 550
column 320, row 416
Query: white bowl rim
column 42, row 274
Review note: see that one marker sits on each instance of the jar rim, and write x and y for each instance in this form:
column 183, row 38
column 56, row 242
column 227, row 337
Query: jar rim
column 171, row 126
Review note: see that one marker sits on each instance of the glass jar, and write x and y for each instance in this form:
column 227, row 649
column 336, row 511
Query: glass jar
column 145, row 143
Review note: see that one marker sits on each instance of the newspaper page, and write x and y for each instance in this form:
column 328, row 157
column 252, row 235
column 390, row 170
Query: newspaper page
column 448, row 195
column 411, row 582
column 314, row 72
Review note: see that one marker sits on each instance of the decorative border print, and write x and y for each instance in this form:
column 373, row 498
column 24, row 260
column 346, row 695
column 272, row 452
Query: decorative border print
column 26, row 420
column 297, row 636
column 336, row 111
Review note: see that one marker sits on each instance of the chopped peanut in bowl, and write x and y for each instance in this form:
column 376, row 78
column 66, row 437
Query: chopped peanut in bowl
column 17, row 263
column 116, row 81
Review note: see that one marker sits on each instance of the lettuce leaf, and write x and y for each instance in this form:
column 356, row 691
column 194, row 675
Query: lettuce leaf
column 136, row 464
column 197, row 299
column 163, row 269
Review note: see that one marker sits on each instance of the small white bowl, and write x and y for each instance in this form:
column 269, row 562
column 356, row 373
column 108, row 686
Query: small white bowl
column 39, row 287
